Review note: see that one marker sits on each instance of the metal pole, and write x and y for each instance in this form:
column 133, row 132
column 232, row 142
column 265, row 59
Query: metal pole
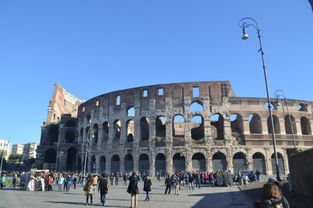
column 1, row 162
column 255, row 25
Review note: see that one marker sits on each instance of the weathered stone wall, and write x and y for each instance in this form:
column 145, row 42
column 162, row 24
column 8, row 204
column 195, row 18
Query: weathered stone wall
column 301, row 172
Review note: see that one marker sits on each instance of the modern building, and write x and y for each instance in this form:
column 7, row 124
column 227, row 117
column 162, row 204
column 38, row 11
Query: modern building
column 17, row 149
column 29, row 150
column 172, row 127
column 5, row 148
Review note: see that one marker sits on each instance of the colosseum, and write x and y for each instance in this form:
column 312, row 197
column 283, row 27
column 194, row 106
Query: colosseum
column 169, row 128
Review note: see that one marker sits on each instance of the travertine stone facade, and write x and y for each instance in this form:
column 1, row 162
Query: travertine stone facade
column 180, row 126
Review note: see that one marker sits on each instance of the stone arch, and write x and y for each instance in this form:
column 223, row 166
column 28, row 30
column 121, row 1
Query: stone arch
column 102, row 164
column 239, row 161
column 131, row 111
column 198, row 162
column 144, row 164
column 71, row 159
column 179, row 162
column 105, row 127
column 129, row 163
column 276, row 125
column 130, row 130
column 217, row 126
column 95, row 135
column 144, row 128
column 302, row 107
column 255, row 124
column 53, row 134
column 281, row 163
column 197, row 127
column 305, row 126
column 160, row 164
column 70, row 136
column 115, row 164
column 196, row 106
column 117, row 130
column 236, row 124
column 160, row 126
column 259, row 162
column 219, row 161
column 178, row 126
column 50, row 156
column 290, row 124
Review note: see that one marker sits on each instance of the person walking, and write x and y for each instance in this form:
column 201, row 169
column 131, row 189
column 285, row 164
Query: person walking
column 88, row 191
column 168, row 184
column 60, row 182
column 133, row 190
column 147, row 187
column 103, row 188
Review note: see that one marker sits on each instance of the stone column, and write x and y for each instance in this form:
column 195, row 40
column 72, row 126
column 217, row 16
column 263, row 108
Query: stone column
column 123, row 132
column 136, row 161
column 108, row 163
column 268, row 162
column 169, row 161
column 282, row 126
column 246, row 126
column 209, row 160
column 100, row 134
column 122, row 163
column 298, row 130
column 264, row 125
column 188, row 161
column 227, row 131
column 249, row 160
column 169, row 132
column 98, row 164
column 152, row 164
column 229, row 160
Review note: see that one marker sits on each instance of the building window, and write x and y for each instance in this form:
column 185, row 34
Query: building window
column 84, row 108
column 145, row 93
column 97, row 103
column 118, row 100
column 195, row 92
column 160, row 91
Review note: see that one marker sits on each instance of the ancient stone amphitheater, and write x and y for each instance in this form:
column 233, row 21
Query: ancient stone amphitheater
column 172, row 127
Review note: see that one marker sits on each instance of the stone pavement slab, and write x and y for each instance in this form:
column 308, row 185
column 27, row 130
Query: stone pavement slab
column 219, row 197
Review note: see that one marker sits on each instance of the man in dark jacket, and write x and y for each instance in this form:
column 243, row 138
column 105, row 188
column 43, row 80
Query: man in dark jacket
column 133, row 190
column 147, row 187
column 103, row 187
column 168, row 184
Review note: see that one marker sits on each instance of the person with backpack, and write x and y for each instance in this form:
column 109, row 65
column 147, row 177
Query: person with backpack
column 272, row 197
column 103, row 188
column 133, row 190
column 147, row 187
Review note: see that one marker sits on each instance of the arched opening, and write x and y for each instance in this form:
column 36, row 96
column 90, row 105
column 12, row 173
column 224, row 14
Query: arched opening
column 217, row 126
column 197, row 127
column 129, row 163
column 102, row 164
column 144, row 128
column 79, row 164
column 237, row 127
column 144, row 164
column 178, row 126
column 69, row 136
column 53, row 134
column 115, row 164
column 160, row 164
column 198, row 162
column 239, row 161
column 305, row 126
column 105, row 127
column 196, row 107
column 219, row 162
column 95, row 135
column 259, row 162
column 178, row 162
column 117, row 130
column 131, row 111
column 160, row 126
column 255, row 125
column 70, row 123
column 290, row 124
column 302, row 107
column 88, row 118
column 50, row 156
column 280, row 163
column 71, row 162
column 93, row 164
column 276, row 125
column 130, row 128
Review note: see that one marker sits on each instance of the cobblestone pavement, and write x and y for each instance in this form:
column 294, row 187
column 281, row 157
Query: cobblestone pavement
column 219, row 197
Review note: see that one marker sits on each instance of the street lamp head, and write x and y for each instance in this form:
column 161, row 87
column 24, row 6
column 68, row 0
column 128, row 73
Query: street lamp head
column 245, row 36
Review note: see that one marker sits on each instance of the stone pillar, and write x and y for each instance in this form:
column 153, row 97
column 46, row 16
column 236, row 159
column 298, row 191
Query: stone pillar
column 298, row 130
column 123, row 132
column 136, row 161
column 122, row 163
column 100, row 134
column 62, row 160
column 246, row 126
column 207, row 131
column 188, row 161
column 227, row 131
column 98, row 164
column 268, row 162
column 264, row 125
column 152, row 164
column 282, row 125
column 249, row 160
column 209, row 160
column 169, row 162
column 169, row 132
column 188, row 139
column 229, row 160
column 108, row 163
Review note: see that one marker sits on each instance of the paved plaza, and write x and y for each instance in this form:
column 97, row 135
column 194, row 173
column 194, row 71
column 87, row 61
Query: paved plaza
column 219, row 197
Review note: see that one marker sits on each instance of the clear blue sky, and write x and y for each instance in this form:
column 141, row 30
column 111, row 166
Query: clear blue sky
column 94, row 47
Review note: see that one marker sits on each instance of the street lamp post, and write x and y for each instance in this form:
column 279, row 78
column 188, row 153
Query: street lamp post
column 280, row 94
column 244, row 23
column 86, row 142
column 2, row 156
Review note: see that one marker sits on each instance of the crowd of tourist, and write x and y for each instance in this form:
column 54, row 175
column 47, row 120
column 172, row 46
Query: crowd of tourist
column 45, row 181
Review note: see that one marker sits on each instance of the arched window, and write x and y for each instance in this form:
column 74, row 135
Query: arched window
column 130, row 128
column 217, row 126
column 131, row 111
column 95, row 135
column 198, row 162
column 178, row 162
column 290, row 124
column 196, row 107
column 129, row 163
column 53, row 134
column 178, row 126
column 197, row 127
column 219, row 162
column 105, row 127
column 305, row 126
column 302, row 107
column 160, row 126
column 255, row 124
column 144, row 128
column 276, row 125
column 117, row 130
